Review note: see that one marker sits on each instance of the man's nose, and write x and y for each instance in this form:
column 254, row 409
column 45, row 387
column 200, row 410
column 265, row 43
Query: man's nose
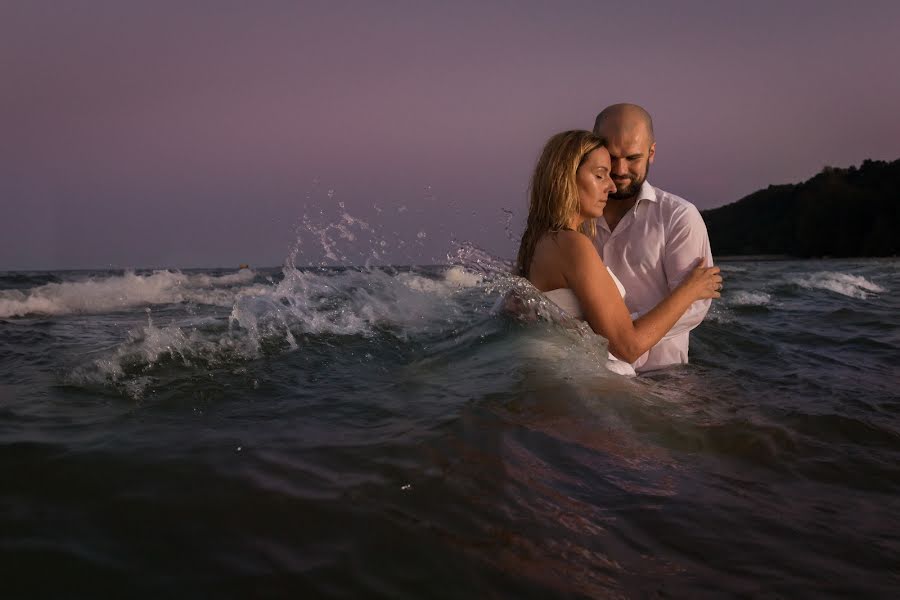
column 619, row 167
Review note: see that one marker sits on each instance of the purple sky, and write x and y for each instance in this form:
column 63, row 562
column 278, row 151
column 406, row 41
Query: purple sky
column 178, row 134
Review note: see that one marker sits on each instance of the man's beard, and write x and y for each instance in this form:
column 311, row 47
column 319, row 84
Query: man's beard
column 632, row 189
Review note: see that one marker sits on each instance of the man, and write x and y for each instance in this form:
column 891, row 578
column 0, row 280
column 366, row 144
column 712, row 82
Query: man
column 649, row 238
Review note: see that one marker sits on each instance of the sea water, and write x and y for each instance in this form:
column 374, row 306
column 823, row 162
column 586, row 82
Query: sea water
column 395, row 432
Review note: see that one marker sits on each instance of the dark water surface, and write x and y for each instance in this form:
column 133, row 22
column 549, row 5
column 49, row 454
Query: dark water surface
column 392, row 433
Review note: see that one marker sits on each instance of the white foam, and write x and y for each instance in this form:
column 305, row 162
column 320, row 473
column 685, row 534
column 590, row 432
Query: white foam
column 455, row 278
column 853, row 286
column 242, row 277
column 361, row 302
column 353, row 302
column 742, row 298
column 147, row 346
column 100, row 295
column 394, row 307
column 459, row 277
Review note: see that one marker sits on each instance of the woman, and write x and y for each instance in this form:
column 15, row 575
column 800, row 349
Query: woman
column 568, row 191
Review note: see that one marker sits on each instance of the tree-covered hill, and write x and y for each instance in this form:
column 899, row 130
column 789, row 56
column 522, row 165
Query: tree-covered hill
column 839, row 212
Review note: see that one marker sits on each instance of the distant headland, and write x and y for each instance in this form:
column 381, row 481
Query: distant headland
column 837, row 213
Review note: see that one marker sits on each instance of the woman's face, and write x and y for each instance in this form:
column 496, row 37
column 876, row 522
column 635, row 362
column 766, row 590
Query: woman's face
column 594, row 183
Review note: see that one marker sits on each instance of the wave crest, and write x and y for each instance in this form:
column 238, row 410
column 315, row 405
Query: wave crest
column 743, row 298
column 846, row 284
column 119, row 292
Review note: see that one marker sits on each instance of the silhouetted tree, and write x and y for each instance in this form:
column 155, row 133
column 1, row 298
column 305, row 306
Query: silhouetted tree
column 838, row 212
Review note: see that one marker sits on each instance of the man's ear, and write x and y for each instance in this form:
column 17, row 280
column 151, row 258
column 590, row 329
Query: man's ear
column 652, row 153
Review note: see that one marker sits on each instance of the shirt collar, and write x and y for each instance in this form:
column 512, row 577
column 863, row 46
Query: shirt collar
column 647, row 193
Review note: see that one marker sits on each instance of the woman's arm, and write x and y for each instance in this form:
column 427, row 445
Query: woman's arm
column 605, row 310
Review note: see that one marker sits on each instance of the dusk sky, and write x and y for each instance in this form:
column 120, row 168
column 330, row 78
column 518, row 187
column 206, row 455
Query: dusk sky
column 180, row 134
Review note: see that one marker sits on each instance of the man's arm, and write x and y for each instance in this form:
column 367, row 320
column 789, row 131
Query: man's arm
column 686, row 240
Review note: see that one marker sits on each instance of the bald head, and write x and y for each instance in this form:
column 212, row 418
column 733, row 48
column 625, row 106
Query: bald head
column 624, row 120
column 628, row 132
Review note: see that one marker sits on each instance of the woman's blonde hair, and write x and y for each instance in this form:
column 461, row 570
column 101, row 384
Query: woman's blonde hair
column 553, row 191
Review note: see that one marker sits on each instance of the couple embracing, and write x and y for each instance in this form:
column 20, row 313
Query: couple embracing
column 594, row 220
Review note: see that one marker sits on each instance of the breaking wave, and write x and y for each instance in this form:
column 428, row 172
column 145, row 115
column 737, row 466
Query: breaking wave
column 98, row 295
column 743, row 298
column 399, row 309
column 852, row 286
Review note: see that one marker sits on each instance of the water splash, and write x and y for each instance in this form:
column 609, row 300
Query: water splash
column 393, row 307
column 132, row 364
column 390, row 308
column 332, row 236
column 507, row 226
column 474, row 258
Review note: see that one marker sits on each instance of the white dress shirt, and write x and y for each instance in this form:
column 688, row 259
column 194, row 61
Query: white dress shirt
column 651, row 250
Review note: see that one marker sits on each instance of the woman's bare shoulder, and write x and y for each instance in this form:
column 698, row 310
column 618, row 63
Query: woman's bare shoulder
column 562, row 254
column 575, row 245
column 565, row 246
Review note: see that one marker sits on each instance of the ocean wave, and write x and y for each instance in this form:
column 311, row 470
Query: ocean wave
column 727, row 268
column 129, row 366
column 279, row 317
column 365, row 302
column 26, row 279
column 431, row 315
column 455, row 278
column 120, row 292
column 743, row 298
column 846, row 284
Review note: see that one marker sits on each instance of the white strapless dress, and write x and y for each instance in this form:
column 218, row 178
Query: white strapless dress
column 566, row 299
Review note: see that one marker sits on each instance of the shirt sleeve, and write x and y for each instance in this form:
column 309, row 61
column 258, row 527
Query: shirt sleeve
column 686, row 240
